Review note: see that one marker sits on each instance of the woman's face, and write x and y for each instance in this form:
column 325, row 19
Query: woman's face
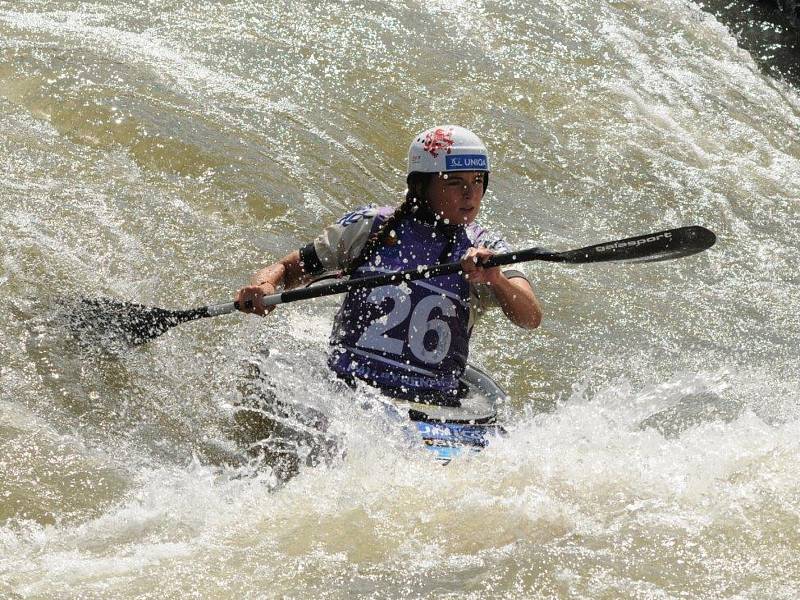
column 456, row 197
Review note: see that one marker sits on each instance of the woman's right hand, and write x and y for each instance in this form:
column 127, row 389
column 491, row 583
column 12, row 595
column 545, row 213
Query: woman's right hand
column 249, row 298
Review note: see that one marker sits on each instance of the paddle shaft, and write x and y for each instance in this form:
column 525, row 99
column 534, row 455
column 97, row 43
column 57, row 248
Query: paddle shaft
column 371, row 281
column 663, row 245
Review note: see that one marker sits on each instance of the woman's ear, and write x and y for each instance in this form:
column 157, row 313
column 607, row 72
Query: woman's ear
column 417, row 184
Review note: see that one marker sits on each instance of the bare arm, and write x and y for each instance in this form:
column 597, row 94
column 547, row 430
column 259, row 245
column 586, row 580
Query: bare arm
column 516, row 296
column 288, row 271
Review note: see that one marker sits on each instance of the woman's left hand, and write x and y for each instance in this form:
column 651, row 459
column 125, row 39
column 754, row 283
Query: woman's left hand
column 473, row 269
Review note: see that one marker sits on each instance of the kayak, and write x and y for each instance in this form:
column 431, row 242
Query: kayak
column 451, row 431
column 286, row 434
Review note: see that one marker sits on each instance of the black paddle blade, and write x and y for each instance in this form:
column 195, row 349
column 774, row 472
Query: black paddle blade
column 116, row 324
column 663, row 245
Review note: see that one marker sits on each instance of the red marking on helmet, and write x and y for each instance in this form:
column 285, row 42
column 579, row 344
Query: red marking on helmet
column 437, row 140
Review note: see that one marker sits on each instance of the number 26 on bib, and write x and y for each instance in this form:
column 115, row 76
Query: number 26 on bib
column 422, row 326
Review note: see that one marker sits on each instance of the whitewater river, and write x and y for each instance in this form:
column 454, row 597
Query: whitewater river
column 160, row 151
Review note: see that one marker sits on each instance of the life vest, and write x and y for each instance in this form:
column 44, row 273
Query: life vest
column 412, row 339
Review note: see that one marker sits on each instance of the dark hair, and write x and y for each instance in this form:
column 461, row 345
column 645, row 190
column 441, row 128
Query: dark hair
column 415, row 204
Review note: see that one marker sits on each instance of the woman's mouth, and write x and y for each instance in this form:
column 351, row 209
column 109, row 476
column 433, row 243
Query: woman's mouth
column 466, row 214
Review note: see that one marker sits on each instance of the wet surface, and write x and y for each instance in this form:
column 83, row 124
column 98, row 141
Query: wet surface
column 157, row 153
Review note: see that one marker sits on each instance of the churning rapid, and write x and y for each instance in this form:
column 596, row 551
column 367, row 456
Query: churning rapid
column 160, row 152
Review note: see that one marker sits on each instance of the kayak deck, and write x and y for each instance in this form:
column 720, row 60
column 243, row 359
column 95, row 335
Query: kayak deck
column 450, row 440
column 449, row 431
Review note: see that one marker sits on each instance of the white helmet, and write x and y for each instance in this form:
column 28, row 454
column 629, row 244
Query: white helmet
column 445, row 149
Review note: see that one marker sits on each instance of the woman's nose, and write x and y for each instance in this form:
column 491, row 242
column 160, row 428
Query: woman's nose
column 470, row 188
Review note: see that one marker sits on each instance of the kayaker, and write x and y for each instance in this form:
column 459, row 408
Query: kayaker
column 412, row 340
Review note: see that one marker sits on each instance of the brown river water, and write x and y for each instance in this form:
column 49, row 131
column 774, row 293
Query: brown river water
column 159, row 152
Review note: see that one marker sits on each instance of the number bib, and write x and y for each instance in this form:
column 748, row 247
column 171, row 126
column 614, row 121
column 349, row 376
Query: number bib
column 411, row 337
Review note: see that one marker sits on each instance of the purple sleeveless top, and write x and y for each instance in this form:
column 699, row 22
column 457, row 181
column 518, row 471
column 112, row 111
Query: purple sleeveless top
column 409, row 339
